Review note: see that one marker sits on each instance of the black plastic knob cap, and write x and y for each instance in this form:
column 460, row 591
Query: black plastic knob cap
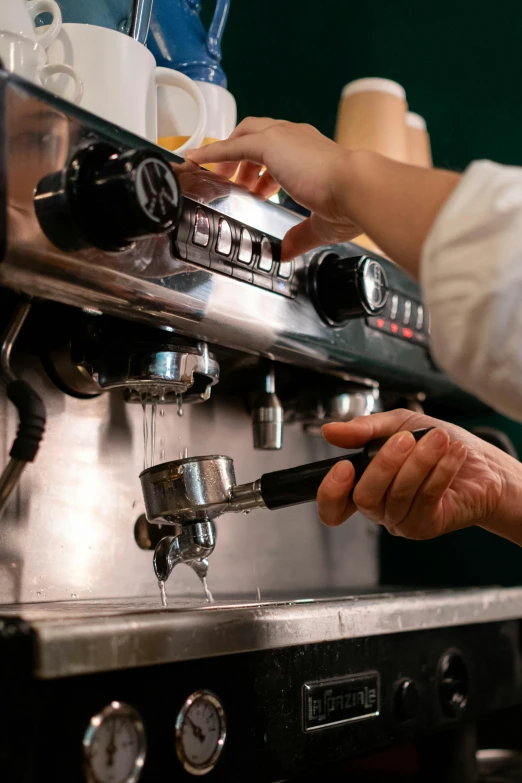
column 407, row 700
column 108, row 199
column 453, row 683
column 345, row 288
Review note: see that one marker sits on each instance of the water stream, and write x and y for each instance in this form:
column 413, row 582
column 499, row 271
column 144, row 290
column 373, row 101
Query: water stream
column 145, row 434
column 163, row 594
column 208, row 595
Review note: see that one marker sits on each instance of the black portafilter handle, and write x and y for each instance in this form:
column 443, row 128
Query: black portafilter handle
column 299, row 485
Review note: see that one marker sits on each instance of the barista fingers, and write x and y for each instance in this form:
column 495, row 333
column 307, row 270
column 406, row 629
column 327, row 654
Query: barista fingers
column 461, row 235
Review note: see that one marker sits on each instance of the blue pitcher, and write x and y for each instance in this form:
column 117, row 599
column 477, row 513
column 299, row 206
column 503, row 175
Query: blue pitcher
column 115, row 14
column 178, row 40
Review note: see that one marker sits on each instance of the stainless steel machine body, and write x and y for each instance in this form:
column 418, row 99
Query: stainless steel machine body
column 302, row 657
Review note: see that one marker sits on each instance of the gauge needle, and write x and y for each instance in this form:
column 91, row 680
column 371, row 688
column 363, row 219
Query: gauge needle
column 198, row 732
column 111, row 747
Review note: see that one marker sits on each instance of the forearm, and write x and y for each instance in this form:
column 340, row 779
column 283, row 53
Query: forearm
column 395, row 204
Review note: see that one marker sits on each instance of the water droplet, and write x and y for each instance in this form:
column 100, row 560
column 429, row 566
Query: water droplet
column 180, row 405
column 73, row 595
column 162, row 411
column 38, row 592
column 247, row 511
column 259, row 594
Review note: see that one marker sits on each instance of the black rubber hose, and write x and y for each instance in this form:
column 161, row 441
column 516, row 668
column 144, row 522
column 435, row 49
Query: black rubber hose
column 31, row 411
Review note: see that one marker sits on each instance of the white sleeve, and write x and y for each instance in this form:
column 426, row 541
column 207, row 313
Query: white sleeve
column 471, row 277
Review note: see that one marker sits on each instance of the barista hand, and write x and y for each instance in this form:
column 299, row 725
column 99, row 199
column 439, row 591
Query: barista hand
column 347, row 192
column 449, row 480
column 297, row 158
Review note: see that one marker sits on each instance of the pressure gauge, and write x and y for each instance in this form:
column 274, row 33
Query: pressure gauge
column 200, row 732
column 114, row 745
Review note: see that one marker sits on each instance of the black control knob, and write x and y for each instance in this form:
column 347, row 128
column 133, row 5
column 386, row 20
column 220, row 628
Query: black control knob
column 344, row 288
column 453, row 683
column 108, row 199
column 406, row 700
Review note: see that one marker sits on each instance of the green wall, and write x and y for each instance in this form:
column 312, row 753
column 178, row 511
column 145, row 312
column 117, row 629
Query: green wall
column 461, row 65
column 460, row 62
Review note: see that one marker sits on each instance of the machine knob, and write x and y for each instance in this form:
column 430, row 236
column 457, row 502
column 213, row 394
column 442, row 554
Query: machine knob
column 108, row 199
column 345, row 288
column 406, row 700
column 453, row 683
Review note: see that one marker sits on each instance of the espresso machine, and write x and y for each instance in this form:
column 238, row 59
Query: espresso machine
column 149, row 326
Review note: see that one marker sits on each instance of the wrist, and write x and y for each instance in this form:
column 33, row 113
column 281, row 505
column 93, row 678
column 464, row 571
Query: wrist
column 506, row 518
column 350, row 174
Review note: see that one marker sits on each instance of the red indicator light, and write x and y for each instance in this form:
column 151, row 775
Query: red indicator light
column 394, row 328
column 380, row 323
column 407, row 333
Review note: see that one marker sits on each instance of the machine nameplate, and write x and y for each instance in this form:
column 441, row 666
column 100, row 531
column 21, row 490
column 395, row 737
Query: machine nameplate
column 342, row 700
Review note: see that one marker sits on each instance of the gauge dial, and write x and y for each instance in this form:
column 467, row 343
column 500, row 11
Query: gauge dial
column 114, row 745
column 200, row 732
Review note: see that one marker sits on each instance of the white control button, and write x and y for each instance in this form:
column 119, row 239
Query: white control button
column 285, row 270
column 224, row 242
column 245, row 247
column 394, row 307
column 407, row 312
column 266, row 261
column 201, row 229
column 420, row 317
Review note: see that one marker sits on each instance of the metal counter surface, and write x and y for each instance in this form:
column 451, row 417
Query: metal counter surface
column 75, row 638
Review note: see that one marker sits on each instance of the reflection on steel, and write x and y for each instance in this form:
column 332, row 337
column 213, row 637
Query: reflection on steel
column 74, row 638
column 15, row 467
column 9, row 481
column 8, row 340
column 344, row 405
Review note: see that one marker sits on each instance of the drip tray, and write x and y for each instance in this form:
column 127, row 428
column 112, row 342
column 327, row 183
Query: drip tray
column 81, row 637
column 85, row 609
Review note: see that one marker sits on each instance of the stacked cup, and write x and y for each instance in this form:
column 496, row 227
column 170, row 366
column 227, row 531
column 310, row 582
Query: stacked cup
column 373, row 115
column 22, row 48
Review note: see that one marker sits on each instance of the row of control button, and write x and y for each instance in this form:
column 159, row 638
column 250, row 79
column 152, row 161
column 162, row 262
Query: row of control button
column 406, row 312
column 237, row 251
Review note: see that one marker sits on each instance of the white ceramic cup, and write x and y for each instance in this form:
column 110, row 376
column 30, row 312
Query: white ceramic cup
column 28, row 59
column 221, row 110
column 120, row 78
column 18, row 17
column 178, row 112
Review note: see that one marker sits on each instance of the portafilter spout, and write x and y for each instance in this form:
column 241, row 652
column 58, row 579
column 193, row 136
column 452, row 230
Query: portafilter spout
column 199, row 489
column 192, row 546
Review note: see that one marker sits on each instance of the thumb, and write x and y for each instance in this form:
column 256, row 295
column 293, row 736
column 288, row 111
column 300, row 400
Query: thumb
column 334, row 503
column 307, row 235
